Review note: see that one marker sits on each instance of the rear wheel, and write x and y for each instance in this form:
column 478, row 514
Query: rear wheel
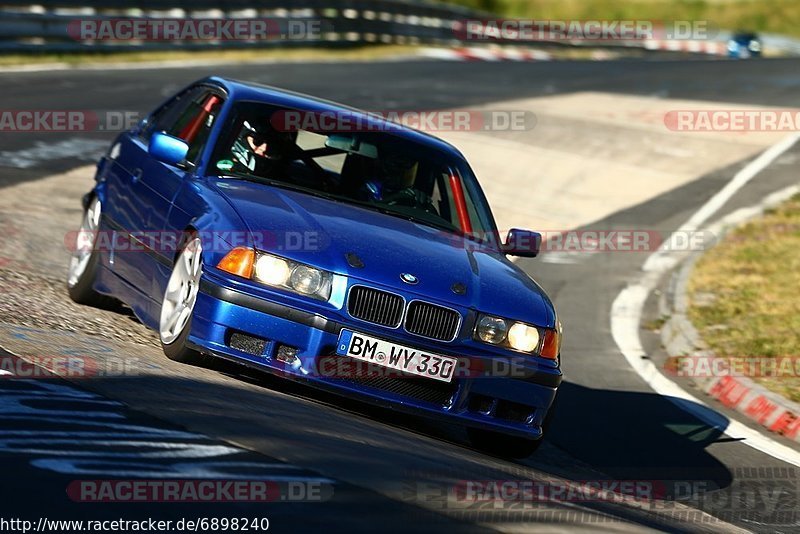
column 178, row 304
column 83, row 263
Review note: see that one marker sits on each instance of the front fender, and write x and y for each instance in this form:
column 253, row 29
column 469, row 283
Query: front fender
column 204, row 210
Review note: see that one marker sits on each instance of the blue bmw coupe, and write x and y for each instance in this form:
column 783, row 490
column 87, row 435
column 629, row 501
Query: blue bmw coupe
column 327, row 245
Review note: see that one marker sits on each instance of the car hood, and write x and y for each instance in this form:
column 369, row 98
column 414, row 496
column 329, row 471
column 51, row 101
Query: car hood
column 322, row 233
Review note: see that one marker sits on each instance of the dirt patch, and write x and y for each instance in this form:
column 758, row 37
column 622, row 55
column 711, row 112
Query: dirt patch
column 37, row 301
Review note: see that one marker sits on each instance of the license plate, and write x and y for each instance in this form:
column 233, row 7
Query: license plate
column 393, row 356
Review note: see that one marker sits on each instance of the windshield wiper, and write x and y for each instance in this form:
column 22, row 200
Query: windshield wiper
column 248, row 177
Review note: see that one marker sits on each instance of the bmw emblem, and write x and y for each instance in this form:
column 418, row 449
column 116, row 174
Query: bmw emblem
column 409, row 278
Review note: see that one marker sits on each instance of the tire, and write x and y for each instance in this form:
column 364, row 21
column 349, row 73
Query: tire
column 177, row 307
column 505, row 446
column 83, row 264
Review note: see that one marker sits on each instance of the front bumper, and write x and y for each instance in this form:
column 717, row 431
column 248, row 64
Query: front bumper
column 225, row 315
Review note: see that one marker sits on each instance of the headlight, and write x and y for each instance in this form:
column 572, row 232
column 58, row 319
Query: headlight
column 278, row 272
column 492, row 329
column 522, row 337
column 272, row 270
column 298, row 277
column 306, row 280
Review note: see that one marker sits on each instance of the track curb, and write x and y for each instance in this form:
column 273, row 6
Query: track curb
column 682, row 340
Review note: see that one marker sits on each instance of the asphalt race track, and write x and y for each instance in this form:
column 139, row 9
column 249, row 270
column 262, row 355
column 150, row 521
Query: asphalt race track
column 610, row 424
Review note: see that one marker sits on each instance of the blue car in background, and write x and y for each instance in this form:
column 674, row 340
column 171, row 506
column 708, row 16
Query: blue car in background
column 325, row 245
column 744, row 45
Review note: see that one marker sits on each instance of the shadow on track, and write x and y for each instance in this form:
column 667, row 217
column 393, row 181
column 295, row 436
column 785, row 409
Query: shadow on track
column 643, row 436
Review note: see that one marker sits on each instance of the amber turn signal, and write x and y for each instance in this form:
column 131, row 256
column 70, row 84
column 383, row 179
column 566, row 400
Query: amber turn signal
column 551, row 346
column 238, row 261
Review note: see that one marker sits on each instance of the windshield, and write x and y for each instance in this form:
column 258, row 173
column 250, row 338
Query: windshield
column 377, row 170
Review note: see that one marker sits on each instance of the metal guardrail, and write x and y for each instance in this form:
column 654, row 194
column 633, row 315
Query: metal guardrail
column 49, row 27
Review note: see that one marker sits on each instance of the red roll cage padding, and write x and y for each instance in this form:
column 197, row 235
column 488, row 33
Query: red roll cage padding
column 461, row 204
column 190, row 130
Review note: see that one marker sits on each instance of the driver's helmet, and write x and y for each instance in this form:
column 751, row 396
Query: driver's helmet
column 263, row 141
column 258, row 143
column 397, row 171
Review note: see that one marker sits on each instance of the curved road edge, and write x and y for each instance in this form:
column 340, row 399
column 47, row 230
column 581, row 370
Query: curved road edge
column 627, row 311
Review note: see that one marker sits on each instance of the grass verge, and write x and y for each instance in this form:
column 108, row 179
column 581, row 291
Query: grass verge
column 745, row 294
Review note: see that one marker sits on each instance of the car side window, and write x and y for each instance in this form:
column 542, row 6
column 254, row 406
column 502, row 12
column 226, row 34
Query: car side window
column 195, row 123
column 165, row 116
column 189, row 117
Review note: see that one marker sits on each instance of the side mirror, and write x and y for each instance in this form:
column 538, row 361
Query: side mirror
column 168, row 149
column 523, row 243
column 141, row 125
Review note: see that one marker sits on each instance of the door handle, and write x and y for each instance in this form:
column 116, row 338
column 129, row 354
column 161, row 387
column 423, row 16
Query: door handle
column 137, row 174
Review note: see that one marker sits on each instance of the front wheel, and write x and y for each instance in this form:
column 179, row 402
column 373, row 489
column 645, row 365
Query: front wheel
column 178, row 304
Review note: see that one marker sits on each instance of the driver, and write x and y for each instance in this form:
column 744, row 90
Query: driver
column 260, row 149
column 396, row 176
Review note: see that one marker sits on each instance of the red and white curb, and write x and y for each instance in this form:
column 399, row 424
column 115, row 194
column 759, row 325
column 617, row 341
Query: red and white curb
column 479, row 53
column 627, row 308
column 714, row 48
column 681, row 339
column 486, row 54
